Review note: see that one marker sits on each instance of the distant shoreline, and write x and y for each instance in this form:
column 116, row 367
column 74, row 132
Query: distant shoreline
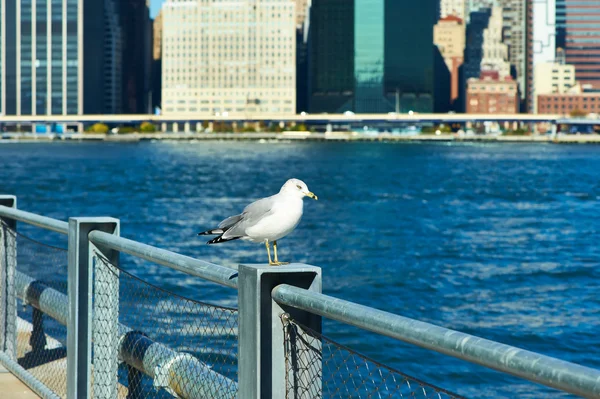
column 299, row 137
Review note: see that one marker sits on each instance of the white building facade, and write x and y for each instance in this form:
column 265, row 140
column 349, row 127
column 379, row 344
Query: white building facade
column 495, row 52
column 553, row 78
column 232, row 57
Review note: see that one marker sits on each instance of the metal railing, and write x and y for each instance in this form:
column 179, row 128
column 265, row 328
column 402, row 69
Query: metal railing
column 274, row 357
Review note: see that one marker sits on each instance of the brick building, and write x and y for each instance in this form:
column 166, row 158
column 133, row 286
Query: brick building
column 566, row 103
column 491, row 95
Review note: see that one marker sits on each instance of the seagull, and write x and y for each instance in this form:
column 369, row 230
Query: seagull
column 267, row 219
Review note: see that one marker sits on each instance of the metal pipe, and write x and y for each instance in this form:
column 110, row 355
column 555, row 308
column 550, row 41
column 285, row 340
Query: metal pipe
column 555, row 373
column 172, row 370
column 25, row 376
column 206, row 270
column 35, row 220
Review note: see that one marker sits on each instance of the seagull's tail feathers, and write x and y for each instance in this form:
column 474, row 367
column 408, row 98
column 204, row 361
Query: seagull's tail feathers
column 220, row 239
column 212, row 232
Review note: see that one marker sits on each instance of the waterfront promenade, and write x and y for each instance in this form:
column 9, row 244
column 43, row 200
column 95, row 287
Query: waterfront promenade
column 11, row 387
column 305, row 136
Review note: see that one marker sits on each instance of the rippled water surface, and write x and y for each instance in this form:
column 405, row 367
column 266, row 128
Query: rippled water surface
column 497, row 240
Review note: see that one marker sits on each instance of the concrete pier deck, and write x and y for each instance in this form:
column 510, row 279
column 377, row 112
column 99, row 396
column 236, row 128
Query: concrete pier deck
column 12, row 388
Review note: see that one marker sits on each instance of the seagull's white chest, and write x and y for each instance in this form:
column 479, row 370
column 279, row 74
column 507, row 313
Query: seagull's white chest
column 285, row 216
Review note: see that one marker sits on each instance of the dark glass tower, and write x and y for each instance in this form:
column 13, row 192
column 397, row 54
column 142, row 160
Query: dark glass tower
column 371, row 56
column 331, row 56
column 53, row 64
column 136, row 58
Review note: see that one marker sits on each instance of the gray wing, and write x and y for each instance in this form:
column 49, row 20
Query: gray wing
column 252, row 214
column 230, row 221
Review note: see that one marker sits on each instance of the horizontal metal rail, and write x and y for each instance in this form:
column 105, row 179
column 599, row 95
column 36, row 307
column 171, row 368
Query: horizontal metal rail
column 154, row 359
column 206, row 270
column 555, row 373
column 36, row 220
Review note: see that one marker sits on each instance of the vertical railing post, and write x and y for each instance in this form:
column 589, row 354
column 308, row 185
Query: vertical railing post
column 8, row 269
column 79, row 327
column 262, row 367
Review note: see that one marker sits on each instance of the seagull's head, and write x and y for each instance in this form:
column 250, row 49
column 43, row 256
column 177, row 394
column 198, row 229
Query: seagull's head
column 297, row 188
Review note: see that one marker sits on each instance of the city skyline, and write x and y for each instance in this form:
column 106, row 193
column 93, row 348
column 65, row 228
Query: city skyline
column 293, row 56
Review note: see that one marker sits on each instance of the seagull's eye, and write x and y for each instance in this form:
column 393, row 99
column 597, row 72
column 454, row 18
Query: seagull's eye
column 299, row 187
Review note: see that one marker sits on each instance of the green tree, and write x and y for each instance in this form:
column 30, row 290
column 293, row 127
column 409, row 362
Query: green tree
column 147, row 127
column 126, row 129
column 248, row 129
column 299, row 127
column 101, row 128
column 274, row 128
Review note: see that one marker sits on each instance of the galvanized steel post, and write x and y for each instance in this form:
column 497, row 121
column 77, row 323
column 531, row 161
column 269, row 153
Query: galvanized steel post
column 262, row 361
column 79, row 324
column 8, row 269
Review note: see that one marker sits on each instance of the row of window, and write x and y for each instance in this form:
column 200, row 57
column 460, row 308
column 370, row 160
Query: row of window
column 216, row 101
column 571, row 99
column 212, row 111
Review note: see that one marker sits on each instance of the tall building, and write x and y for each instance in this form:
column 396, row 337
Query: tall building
column 474, row 43
column 494, row 50
column 53, row 63
column 449, row 36
column 527, row 106
column 235, row 57
column 515, row 37
column 113, row 60
column 471, row 67
column 155, row 89
column 136, row 50
column 553, row 78
column 577, row 32
column 371, row 56
column 543, row 24
column 514, row 23
column 457, row 8
column 302, row 8
column 302, row 40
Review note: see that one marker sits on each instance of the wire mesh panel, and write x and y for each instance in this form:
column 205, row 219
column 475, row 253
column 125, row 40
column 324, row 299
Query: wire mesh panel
column 40, row 338
column 317, row 367
column 169, row 344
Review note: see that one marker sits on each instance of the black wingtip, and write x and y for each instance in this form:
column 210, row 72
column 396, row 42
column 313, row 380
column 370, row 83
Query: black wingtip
column 220, row 239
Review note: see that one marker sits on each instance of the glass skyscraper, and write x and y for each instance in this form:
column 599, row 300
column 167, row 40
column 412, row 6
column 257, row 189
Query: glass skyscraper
column 577, row 33
column 40, row 57
column 371, row 56
column 48, row 57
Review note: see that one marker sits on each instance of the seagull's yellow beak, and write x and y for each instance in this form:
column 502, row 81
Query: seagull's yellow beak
column 312, row 195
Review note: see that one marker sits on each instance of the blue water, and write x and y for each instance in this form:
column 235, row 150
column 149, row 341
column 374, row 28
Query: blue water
column 497, row 240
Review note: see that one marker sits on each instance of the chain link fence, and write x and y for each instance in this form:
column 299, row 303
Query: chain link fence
column 40, row 339
column 318, row 367
column 172, row 344
column 167, row 345
column 150, row 342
